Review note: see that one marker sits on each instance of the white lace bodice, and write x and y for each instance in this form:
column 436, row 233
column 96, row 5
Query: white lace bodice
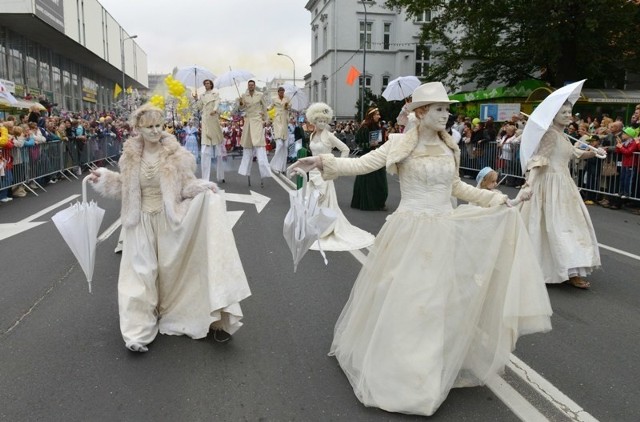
column 318, row 147
column 426, row 177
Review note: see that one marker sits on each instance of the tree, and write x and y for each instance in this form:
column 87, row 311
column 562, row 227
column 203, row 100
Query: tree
column 512, row 40
column 389, row 110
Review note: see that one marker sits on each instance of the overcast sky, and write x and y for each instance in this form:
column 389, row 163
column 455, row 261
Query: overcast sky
column 216, row 34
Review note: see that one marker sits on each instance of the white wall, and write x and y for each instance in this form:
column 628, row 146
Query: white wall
column 93, row 27
column 17, row 6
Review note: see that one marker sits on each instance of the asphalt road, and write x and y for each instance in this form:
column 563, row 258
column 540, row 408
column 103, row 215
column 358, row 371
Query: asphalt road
column 63, row 358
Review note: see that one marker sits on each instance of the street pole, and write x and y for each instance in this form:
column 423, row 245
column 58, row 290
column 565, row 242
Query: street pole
column 294, row 66
column 124, row 87
column 364, row 62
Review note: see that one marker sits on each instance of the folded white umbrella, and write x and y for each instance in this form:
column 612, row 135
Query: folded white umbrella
column 79, row 226
column 305, row 221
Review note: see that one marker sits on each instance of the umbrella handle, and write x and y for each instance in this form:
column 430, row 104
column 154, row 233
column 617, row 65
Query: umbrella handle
column 84, row 188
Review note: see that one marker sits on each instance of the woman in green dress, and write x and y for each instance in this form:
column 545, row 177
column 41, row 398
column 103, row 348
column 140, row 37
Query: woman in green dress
column 370, row 190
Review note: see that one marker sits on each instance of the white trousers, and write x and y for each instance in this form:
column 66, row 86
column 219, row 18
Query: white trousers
column 207, row 153
column 279, row 160
column 263, row 162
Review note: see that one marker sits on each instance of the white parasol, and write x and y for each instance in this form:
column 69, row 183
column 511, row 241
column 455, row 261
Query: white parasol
column 542, row 117
column 305, row 221
column 232, row 77
column 79, row 225
column 194, row 76
column 299, row 100
column 400, row 88
column 4, row 93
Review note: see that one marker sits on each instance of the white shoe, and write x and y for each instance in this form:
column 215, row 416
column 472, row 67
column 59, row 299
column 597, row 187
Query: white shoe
column 7, row 199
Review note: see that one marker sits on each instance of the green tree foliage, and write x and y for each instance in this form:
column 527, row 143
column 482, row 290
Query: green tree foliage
column 512, row 40
column 389, row 110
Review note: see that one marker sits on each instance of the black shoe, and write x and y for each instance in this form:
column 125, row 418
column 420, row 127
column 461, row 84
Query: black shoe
column 221, row 336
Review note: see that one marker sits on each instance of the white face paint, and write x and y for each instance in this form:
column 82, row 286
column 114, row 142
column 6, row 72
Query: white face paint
column 322, row 124
column 563, row 118
column 436, row 116
column 151, row 132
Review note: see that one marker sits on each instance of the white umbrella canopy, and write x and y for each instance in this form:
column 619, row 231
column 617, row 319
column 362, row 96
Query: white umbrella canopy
column 542, row 117
column 232, row 77
column 194, row 76
column 79, row 226
column 400, row 88
column 305, row 221
column 6, row 95
column 299, row 100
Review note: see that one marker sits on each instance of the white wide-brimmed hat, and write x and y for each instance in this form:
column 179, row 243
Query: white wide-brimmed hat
column 429, row 93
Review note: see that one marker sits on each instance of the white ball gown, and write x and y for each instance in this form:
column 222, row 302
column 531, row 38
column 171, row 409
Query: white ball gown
column 444, row 294
column 556, row 217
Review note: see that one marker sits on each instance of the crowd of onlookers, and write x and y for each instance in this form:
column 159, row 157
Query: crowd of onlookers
column 36, row 146
column 612, row 182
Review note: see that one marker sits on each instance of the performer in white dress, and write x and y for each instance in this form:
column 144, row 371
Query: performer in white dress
column 212, row 137
column 180, row 272
column 556, row 217
column 341, row 236
column 444, row 293
column 280, row 131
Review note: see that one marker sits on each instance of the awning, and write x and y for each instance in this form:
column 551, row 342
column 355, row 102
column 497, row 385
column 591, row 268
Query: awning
column 520, row 90
column 591, row 95
column 22, row 104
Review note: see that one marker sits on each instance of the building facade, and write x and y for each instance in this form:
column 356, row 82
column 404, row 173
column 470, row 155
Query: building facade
column 338, row 29
column 71, row 51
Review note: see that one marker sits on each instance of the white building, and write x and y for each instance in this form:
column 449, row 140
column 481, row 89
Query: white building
column 72, row 52
column 337, row 30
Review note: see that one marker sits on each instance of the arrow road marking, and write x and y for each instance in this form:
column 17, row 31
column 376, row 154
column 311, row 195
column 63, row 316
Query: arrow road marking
column 11, row 229
column 259, row 200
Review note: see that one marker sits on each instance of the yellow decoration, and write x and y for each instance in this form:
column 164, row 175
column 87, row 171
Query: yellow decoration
column 157, row 100
column 272, row 113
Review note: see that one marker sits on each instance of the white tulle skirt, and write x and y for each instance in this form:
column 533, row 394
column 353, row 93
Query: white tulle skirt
column 178, row 279
column 439, row 303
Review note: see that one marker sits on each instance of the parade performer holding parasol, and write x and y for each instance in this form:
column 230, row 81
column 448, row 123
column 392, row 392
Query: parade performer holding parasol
column 557, row 220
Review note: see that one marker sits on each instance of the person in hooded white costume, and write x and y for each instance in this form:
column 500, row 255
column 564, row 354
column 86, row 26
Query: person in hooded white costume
column 342, row 235
column 280, row 131
column 444, row 293
column 212, row 138
column 180, row 272
column 255, row 105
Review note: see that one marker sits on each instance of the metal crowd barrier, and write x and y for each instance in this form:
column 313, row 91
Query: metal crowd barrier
column 597, row 179
column 34, row 166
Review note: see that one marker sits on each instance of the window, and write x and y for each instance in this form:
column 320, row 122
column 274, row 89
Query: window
column 385, row 82
column 315, row 46
column 424, row 16
column 422, row 61
column 368, row 34
column 323, row 94
column 325, row 43
column 4, row 73
column 16, row 66
column 367, row 83
column 45, row 77
column 315, row 91
column 386, row 36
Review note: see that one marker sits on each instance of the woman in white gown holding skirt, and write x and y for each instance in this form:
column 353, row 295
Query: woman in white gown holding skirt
column 444, row 293
column 342, row 235
column 180, row 272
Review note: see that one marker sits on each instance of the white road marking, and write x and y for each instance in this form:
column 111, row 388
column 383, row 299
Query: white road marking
column 110, row 230
column 260, row 201
column 518, row 404
column 547, row 390
column 618, row 251
column 234, row 216
column 48, row 209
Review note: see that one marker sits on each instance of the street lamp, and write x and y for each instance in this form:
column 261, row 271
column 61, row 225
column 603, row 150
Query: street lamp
column 124, row 87
column 364, row 62
column 294, row 66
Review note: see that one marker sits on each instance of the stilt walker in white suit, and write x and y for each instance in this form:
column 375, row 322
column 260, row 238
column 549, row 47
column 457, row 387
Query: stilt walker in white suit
column 254, row 104
column 212, row 138
column 280, row 131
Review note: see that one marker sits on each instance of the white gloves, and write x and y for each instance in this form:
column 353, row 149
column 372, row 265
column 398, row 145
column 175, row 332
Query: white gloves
column 305, row 165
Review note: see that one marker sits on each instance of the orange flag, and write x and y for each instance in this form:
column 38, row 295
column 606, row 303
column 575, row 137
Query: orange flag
column 352, row 75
